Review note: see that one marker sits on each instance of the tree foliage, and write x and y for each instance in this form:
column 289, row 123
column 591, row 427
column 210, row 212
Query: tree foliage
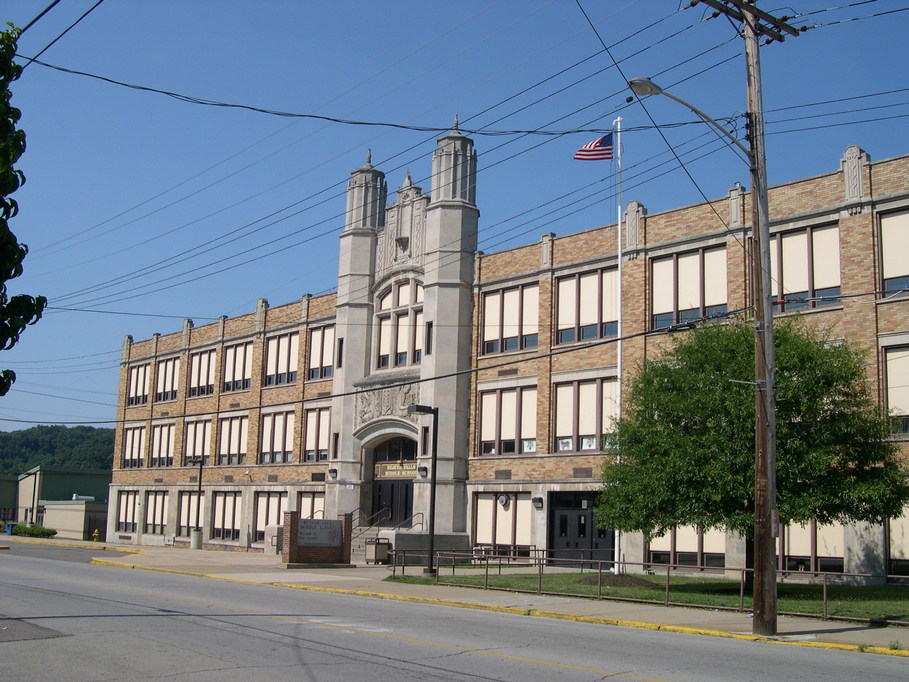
column 685, row 444
column 80, row 447
column 18, row 311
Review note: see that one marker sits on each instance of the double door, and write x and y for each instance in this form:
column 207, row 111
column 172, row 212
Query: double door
column 573, row 533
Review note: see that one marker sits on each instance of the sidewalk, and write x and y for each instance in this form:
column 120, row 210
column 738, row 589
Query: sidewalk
column 369, row 581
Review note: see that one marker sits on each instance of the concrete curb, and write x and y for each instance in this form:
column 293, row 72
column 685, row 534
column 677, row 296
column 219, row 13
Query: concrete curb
column 522, row 612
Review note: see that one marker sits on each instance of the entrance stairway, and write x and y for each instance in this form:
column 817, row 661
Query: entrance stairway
column 358, row 542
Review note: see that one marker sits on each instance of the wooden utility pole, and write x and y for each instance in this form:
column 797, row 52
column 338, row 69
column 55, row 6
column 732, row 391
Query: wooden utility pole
column 766, row 519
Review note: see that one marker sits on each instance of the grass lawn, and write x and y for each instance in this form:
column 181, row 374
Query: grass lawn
column 886, row 602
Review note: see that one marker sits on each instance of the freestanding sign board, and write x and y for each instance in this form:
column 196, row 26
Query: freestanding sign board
column 319, row 533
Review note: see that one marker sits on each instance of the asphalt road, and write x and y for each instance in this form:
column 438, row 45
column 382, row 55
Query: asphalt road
column 65, row 620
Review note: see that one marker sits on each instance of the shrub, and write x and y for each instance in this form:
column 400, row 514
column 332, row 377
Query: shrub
column 33, row 531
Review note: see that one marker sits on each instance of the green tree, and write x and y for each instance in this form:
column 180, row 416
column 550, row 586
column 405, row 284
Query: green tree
column 685, row 443
column 18, row 311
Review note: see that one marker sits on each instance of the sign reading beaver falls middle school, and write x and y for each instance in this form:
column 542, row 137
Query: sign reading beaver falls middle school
column 319, row 533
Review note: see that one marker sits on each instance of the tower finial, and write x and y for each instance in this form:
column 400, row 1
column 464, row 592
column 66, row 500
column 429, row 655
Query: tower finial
column 455, row 126
column 369, row 157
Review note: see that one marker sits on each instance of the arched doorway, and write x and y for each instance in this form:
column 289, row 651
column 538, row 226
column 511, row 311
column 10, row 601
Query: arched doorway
column 394, row 468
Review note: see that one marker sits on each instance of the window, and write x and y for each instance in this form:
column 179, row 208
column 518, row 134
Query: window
column 225, row 523
column 281, row 359
column 198, row 442
column 166, row 378
column 400, row 326
column 810, row 272
column 895, row 252
column 510, row 319
column 311, row 504
column 126, row 510
column 586, row 306
column 237, row 367
column 277, row 438
column 508, row 421
column 188, row 513
column 232, row 440
column 162, row 445
column 584, row 414
column 269, row 512
column 133, row 447
column 321, row 343
column 155, row 512
column 315, row 439
column 137, row 388
column 202, row 373
column 688, row 286
column 897, row 378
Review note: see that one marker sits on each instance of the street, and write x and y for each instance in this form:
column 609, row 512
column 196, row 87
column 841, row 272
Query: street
column 66, row 620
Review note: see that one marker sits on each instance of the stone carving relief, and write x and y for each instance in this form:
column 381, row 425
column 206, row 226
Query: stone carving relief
column 854, row 158
column 385, row 402
column 634, row 225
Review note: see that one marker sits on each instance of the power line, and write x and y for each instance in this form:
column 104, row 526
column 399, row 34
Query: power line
column 30, row 60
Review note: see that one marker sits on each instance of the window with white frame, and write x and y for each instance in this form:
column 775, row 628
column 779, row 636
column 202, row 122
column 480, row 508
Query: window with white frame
column 277, row 438
column 687, row 286
column 137, row 386
column 202, row 373
column 311, row 504
column 805, row 268
column 281, row 359
column 584, row 414
column 510, row 319
column 237, row 367
column 896, row 376
column 189, row 513
column 317, row 427
column 197, row 442
column 232, row 436
column 156, row 512
column 321, row 349
column 126, row 510
column 269, row 511
column 162, row 445
column 508, row 421
column 586, row 306
column 399, row 324
column 167, row 375
column 225, row 522
column 895, row 252
column 133, row 447
column 503, row 521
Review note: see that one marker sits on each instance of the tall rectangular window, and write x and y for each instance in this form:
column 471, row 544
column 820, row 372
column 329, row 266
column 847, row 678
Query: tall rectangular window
column 687, row 286
column 202, row 373
column 137, row 386
column 895, row 252
column 189, row 513
column 586, row 306
column 511, row 319
column 225, row 522
column 277, row 438
column 584, row 414
column 133, row 447
column 281, row 359
column 166, row 379
column 897, row 379
column 126, row 510
column 237, row 367
column 398, row 322
column 321, row 345
column 233, row 433
column 316, row 436
column 162, row 445
column 198, row 442
column 805, row 268
column 269, row 512
column 508, row 421
column 156, row 512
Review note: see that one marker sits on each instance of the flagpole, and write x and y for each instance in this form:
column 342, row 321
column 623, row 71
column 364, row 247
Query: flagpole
column 618, row 400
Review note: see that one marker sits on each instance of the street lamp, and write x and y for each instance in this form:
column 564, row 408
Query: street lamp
column 198, row 529
column 765, row 511
column 434, row 411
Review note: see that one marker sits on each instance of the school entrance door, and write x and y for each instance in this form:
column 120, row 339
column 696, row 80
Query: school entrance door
column 394, row 468
column 573, row 533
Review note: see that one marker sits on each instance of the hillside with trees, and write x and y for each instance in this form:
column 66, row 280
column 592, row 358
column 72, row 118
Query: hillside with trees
column 79, row 447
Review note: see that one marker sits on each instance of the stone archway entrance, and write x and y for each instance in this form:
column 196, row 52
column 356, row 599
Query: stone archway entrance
column 394, row 468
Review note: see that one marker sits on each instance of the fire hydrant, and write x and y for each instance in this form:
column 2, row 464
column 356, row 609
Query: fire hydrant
column 95, row 535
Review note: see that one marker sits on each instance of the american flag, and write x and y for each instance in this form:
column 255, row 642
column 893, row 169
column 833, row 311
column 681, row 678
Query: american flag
column 598, row 150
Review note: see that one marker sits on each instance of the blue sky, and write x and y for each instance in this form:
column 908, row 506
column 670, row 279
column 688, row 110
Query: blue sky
column 142, row 209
